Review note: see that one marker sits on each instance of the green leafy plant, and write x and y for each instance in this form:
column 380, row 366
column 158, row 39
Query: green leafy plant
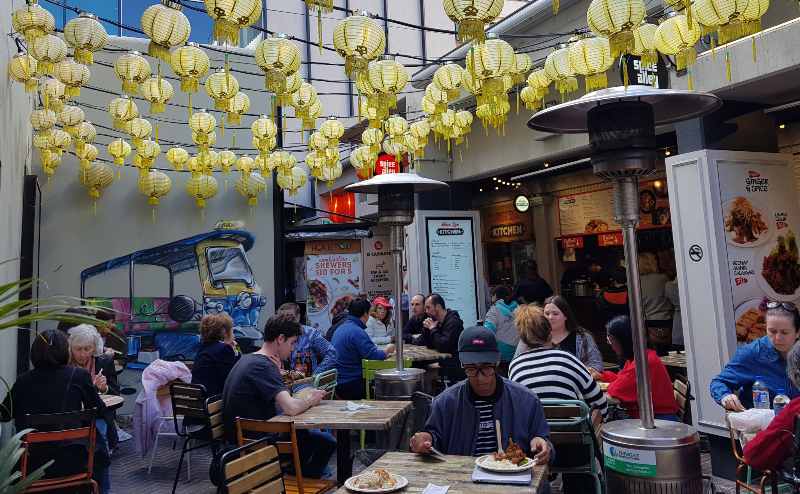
column 11, row 481
column 36, row 309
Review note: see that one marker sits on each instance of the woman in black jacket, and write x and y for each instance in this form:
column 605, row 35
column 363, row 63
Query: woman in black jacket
column 217, row 354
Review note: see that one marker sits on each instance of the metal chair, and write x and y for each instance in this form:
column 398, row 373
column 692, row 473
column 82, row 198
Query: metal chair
column 767, row 477
column 327, row 380
column 680, row 387
column 84, row 431
column 571, row 426
column 252, row 468
column 167, row 419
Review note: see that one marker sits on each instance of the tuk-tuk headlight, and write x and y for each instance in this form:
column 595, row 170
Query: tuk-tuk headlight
column 245, row 300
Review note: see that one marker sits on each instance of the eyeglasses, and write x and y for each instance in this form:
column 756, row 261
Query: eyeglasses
column 787, row 306
column 486, row 371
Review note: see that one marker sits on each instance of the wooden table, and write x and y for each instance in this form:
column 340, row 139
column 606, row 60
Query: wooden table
column 455, row 472
column 677, row 360
column 419, row 353
column 331, row 414
column 112, row 401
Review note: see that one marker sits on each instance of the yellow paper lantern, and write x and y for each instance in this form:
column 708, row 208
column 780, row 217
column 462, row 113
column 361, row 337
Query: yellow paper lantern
column 59, row 141
column 85, row 35
column 44, row 119
column 317, row 141
column 230, row 16
column 472, row 16
column 558, row 68
column 154, row 184
column 203, row 141
column 52, row 92
column 245, row 164
column 177, row 158
column 396, row 126
column 264, row 128
column 388, row 78
column 22, row 68
column 591, row 58
column 202, row 188
column 530, row 97
column 202, row 122
column 522, row 67
column 166, row 26
column 86, row 155
column 540, row 81
column 303, row 102
column 139, row 129
column 280, row 160
column 132, row 69
column 122, row 110
column 96, row 178
column 752, row 15
column 329, row 173
column 251, row 185
column 359, row 40
column 73, row 75
column 190, row 64
column 41, row 140
column 489, row 62
column 616, row 20
column 332, row 130
column 158, row 91
column 362, row 158
column 438, row 97
column 221, row 86
column 293, row 83
column 118, row 149
column 32, row 21
column 372, row 138
column 292, row 180
column 146, row 154
column 48, row 50
column 644, row 44
column 227, row 159
column 279, row 58
column 84, row 133
column 396, row 148
column 675, row 37
column 724, row 16
column 237, row 105
column 450, row 78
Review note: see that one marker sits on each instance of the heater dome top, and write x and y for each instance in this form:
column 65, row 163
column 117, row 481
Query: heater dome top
column 401, row 180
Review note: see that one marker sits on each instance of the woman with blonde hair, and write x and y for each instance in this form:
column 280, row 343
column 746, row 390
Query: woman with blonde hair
column 217, row 353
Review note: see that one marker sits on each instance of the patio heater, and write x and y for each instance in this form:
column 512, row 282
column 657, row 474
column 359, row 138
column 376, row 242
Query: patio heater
column 645, row 455
column 396, row 210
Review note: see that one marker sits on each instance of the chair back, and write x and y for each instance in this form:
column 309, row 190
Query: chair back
column 680, row 387
column 216, row 421
column 422, row 409
column 327, row 381
column 571, row 425
column 253, row 468
column 368, row 368
column 247, row 430
column 188, row 402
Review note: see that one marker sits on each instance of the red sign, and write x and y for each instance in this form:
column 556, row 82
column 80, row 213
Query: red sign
column 609, row 239
column 572, row 242
column 386, row 163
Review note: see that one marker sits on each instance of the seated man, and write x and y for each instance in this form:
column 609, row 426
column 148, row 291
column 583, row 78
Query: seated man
column 254, row 389
column 416, row 315
column 311, row 345
column 452, row 427
column 441, row 330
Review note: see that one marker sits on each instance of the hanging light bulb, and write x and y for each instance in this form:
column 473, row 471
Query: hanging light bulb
column 190, row 64
column 85, row 35
column 166, row 26
column 279, row 58
column 132, row 69
column 471, row 17
column 359, row 40
column 230, row 16
column 32, row 21
column 616, row 20
column 591, row 58
column 158, row 91
column 48, row 50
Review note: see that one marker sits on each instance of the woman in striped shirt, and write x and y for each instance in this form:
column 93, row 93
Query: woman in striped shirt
column 555, row 374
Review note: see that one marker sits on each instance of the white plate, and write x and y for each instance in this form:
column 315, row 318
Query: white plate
column 758, row 206
column 762, row 282
column 402, row 482
column 481, row 460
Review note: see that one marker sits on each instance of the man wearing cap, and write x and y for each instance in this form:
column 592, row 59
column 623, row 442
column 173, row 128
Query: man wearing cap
column 462, row 420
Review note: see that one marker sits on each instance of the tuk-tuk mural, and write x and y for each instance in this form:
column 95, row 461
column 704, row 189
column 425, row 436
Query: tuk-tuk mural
column 226, row 281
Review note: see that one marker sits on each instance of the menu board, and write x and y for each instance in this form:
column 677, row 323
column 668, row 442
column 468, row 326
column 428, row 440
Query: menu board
column 590, row 213
column 761, row 218
column 451, row 265
column 333, row 277
column 378, row 267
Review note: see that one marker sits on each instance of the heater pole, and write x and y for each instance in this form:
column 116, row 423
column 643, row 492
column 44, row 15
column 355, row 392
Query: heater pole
column 397, row 240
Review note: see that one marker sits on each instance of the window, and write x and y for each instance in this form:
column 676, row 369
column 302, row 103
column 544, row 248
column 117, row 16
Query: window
column 228, row 264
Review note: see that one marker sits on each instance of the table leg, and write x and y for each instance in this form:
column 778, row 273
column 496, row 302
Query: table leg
column 344, row 460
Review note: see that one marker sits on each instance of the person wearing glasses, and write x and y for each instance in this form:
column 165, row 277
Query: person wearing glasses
column 463, row 417
column 764, row 359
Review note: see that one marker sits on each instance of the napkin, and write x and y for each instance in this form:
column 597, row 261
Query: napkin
column 352, row 406
column 435, row 489
column 482, row 476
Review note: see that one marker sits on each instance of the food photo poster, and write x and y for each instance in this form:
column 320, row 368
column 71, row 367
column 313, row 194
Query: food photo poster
column 333, row 278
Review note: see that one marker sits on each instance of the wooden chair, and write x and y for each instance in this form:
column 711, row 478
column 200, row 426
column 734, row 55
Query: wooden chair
column 760, row 483
column 205, row 421
column 254, row 468
column 680, row 387
column 86, row 432
column 327, row 380
column 246, row 429
column 571, row 425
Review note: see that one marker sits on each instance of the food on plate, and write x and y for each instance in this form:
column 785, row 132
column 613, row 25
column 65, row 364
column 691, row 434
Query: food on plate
column 375, row 480
column 511, row 459
column 751, row 325
column 781, row 268
column 292, row 375
column 513, row 453
column 744, row 221
column 318, row 293
column 595, row 226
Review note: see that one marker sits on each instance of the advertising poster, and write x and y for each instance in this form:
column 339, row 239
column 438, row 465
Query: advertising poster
column 333, row 278
column 378, row 267
column 451, row 263
column 761, row 219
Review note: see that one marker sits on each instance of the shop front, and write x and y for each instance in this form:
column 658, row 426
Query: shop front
column 508, row 242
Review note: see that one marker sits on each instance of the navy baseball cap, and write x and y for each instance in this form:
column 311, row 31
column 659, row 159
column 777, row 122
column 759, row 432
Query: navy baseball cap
column 477, row 345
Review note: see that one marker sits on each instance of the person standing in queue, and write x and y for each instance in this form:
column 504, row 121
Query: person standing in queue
column 533, row 289
column 462, row 420
column 416, row 315
column 442, row 329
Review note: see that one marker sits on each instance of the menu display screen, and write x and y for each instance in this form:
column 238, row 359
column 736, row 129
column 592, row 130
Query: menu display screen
column 451, row 265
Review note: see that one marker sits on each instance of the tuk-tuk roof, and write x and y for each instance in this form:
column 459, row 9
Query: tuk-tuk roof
column 177, row 256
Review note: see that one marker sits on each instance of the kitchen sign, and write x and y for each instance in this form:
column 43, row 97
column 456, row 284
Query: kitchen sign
column 506, row 231
column 504, row 223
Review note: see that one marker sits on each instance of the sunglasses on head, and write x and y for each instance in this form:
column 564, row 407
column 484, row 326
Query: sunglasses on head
column 787, row 306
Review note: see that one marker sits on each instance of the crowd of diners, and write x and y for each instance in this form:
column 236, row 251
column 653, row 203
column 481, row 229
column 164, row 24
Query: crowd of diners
column 525, row 350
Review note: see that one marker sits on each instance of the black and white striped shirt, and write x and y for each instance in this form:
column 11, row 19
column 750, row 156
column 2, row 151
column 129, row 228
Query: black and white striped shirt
column 556, row 374
column 486, row 437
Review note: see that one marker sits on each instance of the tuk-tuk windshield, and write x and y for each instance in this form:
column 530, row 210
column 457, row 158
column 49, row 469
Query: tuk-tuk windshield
column 228, row 264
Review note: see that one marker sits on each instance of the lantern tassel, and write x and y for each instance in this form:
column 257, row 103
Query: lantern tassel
column 158, row 51
column 728, row 66
column 690, row 82
column 753, row 45
column 556, row 6
column 319, row 29
column 687, row 6
column 84, row 56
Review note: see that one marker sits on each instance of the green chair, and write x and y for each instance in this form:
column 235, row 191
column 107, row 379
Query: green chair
column 368, row 369
column 326, row 380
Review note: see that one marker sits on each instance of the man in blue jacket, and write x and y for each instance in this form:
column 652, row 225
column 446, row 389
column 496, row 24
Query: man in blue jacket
column 352, row 344
column 311, row 345
column 462, row 420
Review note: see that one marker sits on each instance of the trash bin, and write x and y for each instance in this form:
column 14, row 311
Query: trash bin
column 391, row 384
column 664, row 460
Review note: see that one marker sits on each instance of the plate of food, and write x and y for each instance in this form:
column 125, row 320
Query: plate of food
column 318, row 296
column 376, row 481
column 511, row 461
column 778, row 268
column 746, row 223
column 750, row 322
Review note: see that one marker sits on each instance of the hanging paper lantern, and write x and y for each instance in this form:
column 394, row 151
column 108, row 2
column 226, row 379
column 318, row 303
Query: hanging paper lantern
column 139, row 129
column 84, row 133
column 320, row 6
column 450, row 78
column 489, row 62
column 43, row 120
column 395, row 148
column 540, row 81
column 359, row 40
column 155, row 185
column 591, row 58
column 48, row 50
column 472, row 16
column 190, row 63
column 158, row 92
column 59, row 141
column 752, row 15
column 32, row 21
column 332, row 130
column 251, row 185
column 293, row 83
column 52, row 92
column 330, row 172
column 122, row 110
column 303, row 102
column 227, row 159
column 85, row 35
column 96, row 178
column 724, row 16
column 202, row 188
column 438, row 97
column 280, row 160
column 132, row 69
column 522, row 67
column 73, row 75
column 464, row 119
column 317, row 141
column 204, row 141
column 264, row 128
column 177, row 158
column 420, row 129
column 396, row 127
column 675, row 37
column 616, row 20
column 644, row 44
column 237, row 105
column 202, row 122
column 146, row 154
column 86, row 156
column 388, row 78
column 558, row 68
column 372, row 138
column 531, row 98
column 118, row 149
column 230, row 16
column 292, row 180
column 41, row 140
column 166, row 26
column 221, row 86
column 22, row 68
column 279, row 58
column 245, row 164
column 362, row 159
